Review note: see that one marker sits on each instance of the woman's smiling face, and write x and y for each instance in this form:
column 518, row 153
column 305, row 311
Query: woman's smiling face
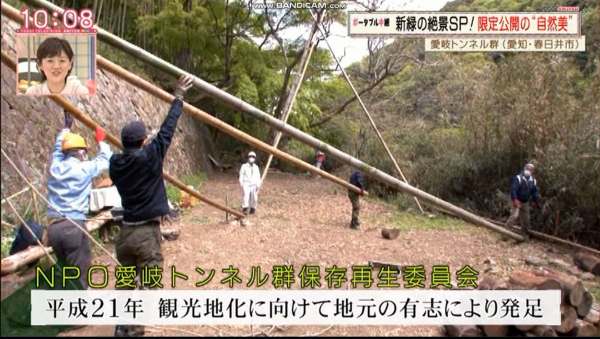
column 56, row 67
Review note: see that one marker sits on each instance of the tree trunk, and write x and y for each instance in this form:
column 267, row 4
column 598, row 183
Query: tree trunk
column 123, row 19
column 462, row 331
column 287, row 98
column 588, row 262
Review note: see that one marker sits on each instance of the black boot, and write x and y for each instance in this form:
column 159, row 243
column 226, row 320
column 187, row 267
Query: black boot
column 252, row 210
column 245, row 211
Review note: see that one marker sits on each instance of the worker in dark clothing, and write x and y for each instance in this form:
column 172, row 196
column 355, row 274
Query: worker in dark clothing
column 523, row 190
column 357, row 179
column 137, row 174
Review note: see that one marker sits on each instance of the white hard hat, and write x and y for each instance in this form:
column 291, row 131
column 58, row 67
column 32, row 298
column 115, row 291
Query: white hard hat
column 251, row 154
column 529, row 165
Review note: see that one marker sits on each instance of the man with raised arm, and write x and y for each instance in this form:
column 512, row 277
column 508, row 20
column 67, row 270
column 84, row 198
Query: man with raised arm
column 137, row 174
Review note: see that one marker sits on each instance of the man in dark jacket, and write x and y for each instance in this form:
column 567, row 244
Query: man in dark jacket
column 523, row 190
column 357, row 179
column 137, row 174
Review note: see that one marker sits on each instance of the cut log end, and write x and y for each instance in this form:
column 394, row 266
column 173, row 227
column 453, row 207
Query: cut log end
column 462, row 331
column 585, row 306
column 585, row 329
column 495, row 330
column 533, row 281
column 588, row 262
column 390, row 233
column 568, row 317
column 593, row 317
column 542, row 331
column 525, row 328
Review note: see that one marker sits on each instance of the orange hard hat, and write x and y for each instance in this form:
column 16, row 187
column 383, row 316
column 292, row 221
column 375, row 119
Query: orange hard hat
column 73, row 141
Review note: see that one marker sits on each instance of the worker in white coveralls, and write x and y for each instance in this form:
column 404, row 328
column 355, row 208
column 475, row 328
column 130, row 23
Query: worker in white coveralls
column 250, row 182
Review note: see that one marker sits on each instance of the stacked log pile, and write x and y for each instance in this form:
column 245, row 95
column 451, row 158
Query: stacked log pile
column 580, row 316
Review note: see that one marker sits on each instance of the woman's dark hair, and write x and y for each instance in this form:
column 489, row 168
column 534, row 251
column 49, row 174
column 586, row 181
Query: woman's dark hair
column 52, row 47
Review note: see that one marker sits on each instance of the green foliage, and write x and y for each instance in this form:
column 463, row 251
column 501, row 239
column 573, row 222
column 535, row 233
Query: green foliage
column 460, row 125
column 195, row 180
column 464, row 123
column 173, row 193
column 300, row 151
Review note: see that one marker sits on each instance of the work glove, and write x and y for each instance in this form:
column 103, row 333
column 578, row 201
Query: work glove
column 183, row 84
column 516, row 203
column 68, row 120
column 100, row 134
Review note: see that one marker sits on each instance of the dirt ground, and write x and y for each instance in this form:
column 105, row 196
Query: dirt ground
column 302, row 220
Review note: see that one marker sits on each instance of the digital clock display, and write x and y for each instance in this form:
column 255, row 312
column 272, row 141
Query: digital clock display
column 69, row 19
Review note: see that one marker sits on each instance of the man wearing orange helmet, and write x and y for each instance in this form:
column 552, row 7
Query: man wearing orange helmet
column 69, row 187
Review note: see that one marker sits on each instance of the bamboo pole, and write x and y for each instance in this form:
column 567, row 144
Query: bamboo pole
column 212, row 121
column 243, row 106
column 90, row 123
column 550, row 238
column 309, row 47
column 87, row 121
column 362, row 105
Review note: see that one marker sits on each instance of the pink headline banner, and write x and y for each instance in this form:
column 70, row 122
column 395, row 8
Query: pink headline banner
column 435, row 24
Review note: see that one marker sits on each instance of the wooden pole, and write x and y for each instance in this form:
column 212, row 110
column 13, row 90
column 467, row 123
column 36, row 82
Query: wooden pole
column 226, row 204
column 90, row 123
column 309, row 47
column 198, row 114
column 547, row 237
column 14, row 262
column 364, row 108
column 240, row 105
column 87, row 121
